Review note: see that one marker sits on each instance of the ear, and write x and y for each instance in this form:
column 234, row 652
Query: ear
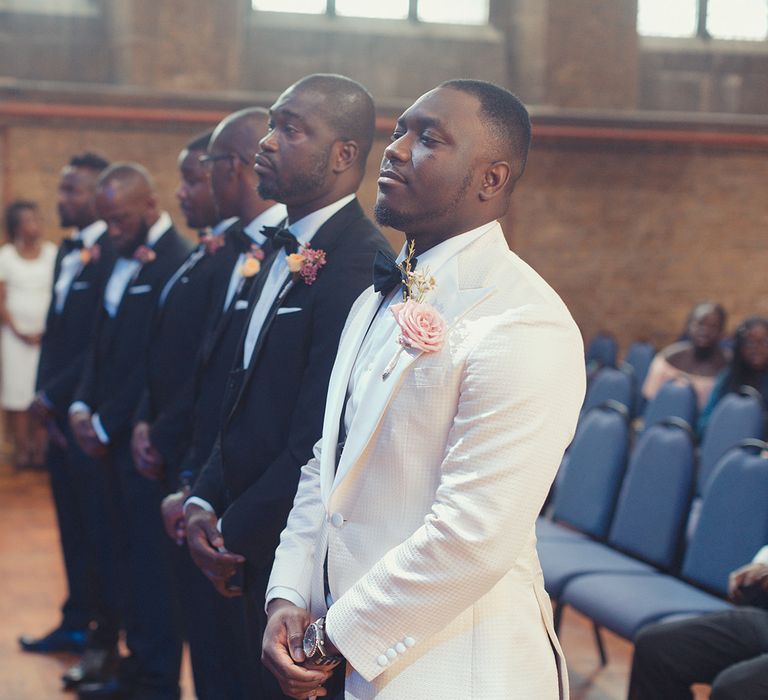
column 344, row 155
column 496, row 178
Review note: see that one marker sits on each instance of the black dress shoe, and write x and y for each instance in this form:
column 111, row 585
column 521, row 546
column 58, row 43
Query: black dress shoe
column 113, row 688
column 60, row 639
column 96, row 666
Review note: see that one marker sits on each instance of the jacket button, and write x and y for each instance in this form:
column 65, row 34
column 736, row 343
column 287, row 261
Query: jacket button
column 409, row 641
column 400, row 648
column 391, row 654
column 337, row 520
column 382, row 661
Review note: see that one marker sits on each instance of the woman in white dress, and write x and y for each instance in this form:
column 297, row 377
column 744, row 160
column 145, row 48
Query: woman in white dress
column 26, row 277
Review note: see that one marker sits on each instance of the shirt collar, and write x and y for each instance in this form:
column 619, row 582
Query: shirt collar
column 223, row 225
column 157, row 229
column 437, row 256
column 270, row 217
column 308, row 226
column 91, row 233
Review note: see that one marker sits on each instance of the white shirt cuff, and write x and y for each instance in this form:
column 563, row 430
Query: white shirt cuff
column 79, row 407
column 199, row 502
column 99, row 429
column 287, row 594
column 762, row 556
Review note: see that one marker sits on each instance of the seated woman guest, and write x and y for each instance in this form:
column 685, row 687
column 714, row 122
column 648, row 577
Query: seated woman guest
column 26, row 275
column 749, row 366
column 697, row 360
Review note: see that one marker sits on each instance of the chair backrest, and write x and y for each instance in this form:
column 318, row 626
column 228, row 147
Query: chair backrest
column 602, row 351
column 736, row 417
column 639, row 357
column 586, row 495
column 733, row 522
column 609, row 384
column 656, row 494
column 675, row 399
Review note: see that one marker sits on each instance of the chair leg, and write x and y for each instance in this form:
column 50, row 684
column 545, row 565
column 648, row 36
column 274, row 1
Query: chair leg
column 599, row 644
column 558, row 616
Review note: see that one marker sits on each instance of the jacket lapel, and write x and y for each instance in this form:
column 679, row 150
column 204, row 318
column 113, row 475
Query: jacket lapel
column 460, row 287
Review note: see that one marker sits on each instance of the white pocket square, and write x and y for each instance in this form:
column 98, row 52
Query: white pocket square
column 241, row 304
column 80, row 285
column 140, row 289
column 288, row 310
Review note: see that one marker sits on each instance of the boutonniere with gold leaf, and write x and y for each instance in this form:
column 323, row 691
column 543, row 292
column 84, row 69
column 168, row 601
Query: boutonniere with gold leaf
column 306, row 263
column 252, row 263
column 90, row 253
column 421, row 325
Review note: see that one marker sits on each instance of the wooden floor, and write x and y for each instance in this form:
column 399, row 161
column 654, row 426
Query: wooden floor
column 33, row 585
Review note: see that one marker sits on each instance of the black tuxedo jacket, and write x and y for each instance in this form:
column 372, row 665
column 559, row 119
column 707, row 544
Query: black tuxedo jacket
column 181, row 321
column 68, row 333
column 114, row 373
column 273, row 411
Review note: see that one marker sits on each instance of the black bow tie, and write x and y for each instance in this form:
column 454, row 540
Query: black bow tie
column 242, row 240
column 70, row 244
column 281, row 237
column 387, row 274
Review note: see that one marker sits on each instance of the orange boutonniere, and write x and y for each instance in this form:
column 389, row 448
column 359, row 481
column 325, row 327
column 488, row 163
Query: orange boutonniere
column 252, row 263
column 212, row 243
column 144, row 254
column 306, row 263
column 90, row 254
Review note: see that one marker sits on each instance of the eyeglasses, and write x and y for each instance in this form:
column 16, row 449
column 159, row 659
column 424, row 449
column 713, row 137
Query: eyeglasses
column 208, row 159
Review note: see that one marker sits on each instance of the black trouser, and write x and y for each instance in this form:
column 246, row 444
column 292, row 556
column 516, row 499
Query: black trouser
column 81, row 493
column 727, row 649
column 215, row 629
column 152, row 624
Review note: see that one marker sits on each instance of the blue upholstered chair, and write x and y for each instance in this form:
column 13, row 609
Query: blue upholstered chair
column 674, row 399
column 609, row 384
column 639, row 357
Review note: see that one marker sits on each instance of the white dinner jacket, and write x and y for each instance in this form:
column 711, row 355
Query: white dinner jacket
column 429, row 519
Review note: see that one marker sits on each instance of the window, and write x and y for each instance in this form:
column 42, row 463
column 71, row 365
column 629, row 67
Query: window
column 444, row 11
column 717, row 19
column 51, row 7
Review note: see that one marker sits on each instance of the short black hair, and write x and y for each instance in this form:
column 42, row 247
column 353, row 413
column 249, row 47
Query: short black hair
column 200, row 141
column 505, row 117
column 350, row 110
column 90, row 161
column 13, row 215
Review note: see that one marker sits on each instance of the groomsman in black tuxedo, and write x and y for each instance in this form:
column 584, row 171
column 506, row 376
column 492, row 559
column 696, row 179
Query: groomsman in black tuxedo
column 214, row 624
column 82, row 267
column 313, row 160
column 149, row 251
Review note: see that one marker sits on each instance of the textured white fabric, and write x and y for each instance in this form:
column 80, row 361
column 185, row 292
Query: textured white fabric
column 429, row 520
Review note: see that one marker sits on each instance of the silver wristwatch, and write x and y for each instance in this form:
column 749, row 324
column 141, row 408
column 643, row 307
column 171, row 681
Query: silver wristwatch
column 314, row 644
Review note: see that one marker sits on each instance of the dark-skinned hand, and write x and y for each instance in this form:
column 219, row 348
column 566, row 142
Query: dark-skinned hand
column 85, row 435
column 147, row 460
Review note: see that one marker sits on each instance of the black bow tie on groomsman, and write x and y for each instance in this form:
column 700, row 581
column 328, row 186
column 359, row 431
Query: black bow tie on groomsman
column 281, row 237
column 70, row 244
column 387, row 274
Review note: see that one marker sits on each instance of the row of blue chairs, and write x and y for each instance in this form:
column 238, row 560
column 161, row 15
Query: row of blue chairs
column 636, row 538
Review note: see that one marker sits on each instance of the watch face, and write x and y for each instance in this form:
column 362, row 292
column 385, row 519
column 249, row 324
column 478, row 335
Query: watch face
column 310, row 640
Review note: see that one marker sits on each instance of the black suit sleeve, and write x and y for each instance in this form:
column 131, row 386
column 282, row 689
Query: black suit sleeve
column 60, row 388
column 86, row 386
column 169, row 433
column 210, row 482
column 252, row 524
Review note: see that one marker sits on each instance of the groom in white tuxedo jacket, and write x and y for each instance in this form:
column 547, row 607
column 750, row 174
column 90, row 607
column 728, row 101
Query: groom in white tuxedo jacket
column 408, row 563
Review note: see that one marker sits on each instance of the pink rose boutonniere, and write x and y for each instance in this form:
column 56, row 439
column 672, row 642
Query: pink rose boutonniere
column 90, row 254
column 421, row 325
column 306, row 263
column 252, row 263
column 144, row 254
column 212, row 243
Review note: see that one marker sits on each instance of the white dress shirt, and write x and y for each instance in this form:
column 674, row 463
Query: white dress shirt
column 375, row 343
column 123, row 273
column 304, row 229
column 271, row 217
column 72, row 264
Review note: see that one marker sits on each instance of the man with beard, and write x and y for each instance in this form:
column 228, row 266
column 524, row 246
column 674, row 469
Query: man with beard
column 149, row 251
column 82, row 268
column 313, row 160
column 409, row 556
column 214, row 624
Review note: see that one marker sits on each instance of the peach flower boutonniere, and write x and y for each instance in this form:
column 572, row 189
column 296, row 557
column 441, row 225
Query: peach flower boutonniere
column 144, row 254
column 252, row 263
column 212, row 243
column 306, row 263
column 90, row 253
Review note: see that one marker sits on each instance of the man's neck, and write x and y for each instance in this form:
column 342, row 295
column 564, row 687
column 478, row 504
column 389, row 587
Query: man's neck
column 252, row 208
column 296, row 212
